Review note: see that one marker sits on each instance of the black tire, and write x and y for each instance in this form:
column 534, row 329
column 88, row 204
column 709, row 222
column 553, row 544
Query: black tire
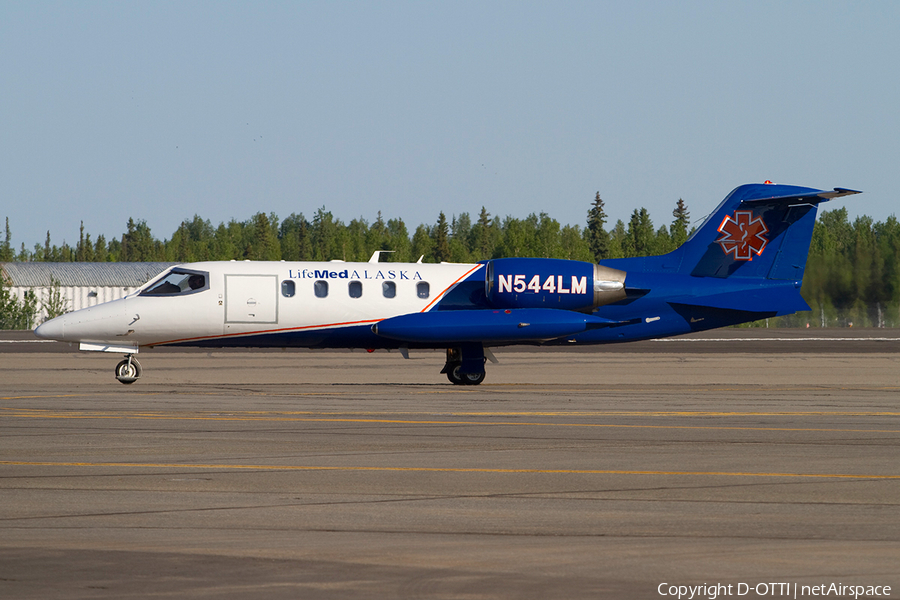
column 128, row 371
column 473, row 378
column 454, row 377
column 457, row 378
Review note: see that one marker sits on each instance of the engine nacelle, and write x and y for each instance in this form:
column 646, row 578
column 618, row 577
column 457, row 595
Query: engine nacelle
column 551, row 283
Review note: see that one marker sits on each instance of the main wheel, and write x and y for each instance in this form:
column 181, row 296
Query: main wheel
column 128, row 370
column 454, row 377
column 457, row 378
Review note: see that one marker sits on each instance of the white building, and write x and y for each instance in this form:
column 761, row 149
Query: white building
column 81, row 284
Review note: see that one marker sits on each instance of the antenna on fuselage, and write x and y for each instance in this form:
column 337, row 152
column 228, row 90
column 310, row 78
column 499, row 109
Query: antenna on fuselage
column 376, row 256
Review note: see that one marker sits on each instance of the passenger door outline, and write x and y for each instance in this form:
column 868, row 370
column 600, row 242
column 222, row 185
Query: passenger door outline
column 251, row 299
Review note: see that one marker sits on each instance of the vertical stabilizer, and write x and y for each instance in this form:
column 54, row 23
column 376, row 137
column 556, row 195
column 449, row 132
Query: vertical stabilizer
column 759, row 231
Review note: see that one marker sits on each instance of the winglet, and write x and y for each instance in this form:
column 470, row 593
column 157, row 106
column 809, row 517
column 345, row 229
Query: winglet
column 838, row 192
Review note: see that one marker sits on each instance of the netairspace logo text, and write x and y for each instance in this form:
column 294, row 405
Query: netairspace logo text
column 786, row 590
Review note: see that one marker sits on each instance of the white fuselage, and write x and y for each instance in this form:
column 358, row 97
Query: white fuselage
column 238, row 299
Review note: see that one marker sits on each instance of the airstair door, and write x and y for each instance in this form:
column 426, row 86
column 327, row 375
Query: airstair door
column 251, row 298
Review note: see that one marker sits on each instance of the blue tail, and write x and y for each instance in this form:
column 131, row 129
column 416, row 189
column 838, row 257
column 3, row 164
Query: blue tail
column 745, row 262
column 759, row 231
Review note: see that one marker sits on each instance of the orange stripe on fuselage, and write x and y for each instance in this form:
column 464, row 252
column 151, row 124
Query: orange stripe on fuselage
column 263, row 331
column 446, row 289
column 306, row 327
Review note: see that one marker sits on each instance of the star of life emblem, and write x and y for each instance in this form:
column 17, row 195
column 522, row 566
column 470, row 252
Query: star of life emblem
column 742, row 235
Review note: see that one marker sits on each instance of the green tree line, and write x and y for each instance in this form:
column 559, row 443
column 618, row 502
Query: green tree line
column 324, row 237
column 852, row 277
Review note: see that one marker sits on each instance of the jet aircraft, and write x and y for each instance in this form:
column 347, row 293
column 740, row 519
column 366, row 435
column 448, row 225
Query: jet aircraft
column 744, row 263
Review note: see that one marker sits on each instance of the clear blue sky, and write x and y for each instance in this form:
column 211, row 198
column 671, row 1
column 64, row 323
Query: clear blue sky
column 163, row 110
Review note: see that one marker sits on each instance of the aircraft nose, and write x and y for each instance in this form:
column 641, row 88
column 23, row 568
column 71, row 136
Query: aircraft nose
column 54, row 329
column 102, row 322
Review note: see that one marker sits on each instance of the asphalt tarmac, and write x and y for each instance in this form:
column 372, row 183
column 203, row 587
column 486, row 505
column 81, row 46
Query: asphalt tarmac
column 585, row 474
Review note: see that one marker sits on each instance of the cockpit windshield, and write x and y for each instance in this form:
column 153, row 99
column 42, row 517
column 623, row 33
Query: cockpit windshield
column 178, row 282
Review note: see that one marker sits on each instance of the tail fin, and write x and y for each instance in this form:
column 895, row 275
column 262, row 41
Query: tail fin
column 757, row 238
column 759, row 231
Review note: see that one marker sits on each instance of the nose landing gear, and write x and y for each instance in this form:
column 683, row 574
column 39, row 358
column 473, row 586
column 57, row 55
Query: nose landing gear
column 129, row 370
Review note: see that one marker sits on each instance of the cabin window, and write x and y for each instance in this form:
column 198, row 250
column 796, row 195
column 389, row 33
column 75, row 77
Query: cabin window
column 288, row 288
column 355, row 288
column 321, row 288
column 178, row 282
column 389, row 289
column 423, row 289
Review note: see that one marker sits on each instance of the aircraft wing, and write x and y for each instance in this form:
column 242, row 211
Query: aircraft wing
column 488, row 326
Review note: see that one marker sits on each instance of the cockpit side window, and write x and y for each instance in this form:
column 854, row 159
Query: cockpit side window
column 178, row 282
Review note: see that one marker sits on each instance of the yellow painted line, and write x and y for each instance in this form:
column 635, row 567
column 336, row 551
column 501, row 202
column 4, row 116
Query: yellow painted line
column 384, row 421
column 51, row 396
column 547, row 413
column 589, row 413
column 505, row 388
column 510, row 413
column 439, row 470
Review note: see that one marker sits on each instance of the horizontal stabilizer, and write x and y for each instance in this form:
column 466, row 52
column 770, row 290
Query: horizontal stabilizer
column 779, row 300
column 811, row 197
column 488, row 326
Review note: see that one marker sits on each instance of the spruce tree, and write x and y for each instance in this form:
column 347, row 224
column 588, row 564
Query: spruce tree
column 441, row 238
column 679, row 231
column 483, row 236
column 640, row 236
column 422, row 244
column 598, row 237
column 6, row 252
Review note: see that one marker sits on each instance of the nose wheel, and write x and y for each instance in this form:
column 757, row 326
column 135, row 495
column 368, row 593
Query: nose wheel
column 129, row 370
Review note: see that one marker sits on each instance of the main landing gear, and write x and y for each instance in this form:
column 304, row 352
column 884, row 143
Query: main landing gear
column 465, row 365
column 129, row 370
